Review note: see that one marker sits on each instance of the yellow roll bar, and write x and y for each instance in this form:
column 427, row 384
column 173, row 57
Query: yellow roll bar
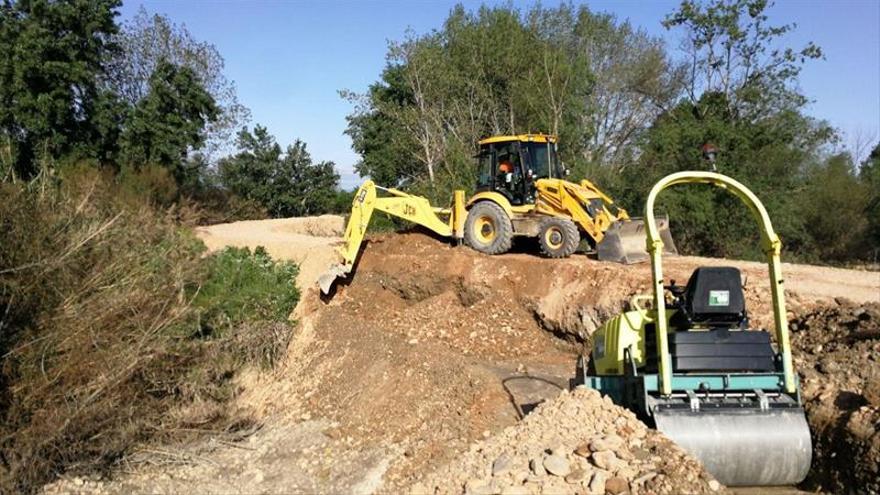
column 769, row 241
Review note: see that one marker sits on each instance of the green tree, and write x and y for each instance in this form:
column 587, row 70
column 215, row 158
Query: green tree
column 286, row 184
column 743, row 100
column 832, row 205
column 869, row 174
column 146, row 42
column 51, row 54
column 592, row 80
column 169, row 121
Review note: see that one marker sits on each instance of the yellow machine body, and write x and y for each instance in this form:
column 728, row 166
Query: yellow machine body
column 696, row 379
column 579, row 209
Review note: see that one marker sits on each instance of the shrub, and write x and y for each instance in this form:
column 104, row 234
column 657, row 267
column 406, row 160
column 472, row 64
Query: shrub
column 241, row 288
column 102, row 344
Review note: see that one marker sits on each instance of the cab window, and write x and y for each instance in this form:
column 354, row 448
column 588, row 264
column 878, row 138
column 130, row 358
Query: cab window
column 484, row 170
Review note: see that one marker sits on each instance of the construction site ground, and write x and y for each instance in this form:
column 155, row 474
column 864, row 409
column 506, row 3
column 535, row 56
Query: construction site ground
column 416, row 374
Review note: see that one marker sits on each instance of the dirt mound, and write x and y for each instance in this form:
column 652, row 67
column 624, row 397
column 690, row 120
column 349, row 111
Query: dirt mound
column 837, row 353
column 429, row 350
column 556, row 450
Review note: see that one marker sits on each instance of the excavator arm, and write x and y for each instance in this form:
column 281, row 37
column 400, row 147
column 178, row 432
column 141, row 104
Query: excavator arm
column 415, row 209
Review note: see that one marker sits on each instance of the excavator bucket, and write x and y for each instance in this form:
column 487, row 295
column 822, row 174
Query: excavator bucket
column 625, row 241
column 743, row 447
column 326, row 281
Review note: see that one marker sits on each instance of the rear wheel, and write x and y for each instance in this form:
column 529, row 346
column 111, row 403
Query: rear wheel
column 559, row 237
column 488, row 229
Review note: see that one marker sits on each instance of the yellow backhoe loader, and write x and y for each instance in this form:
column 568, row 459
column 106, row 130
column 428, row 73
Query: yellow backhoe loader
column 520, row 191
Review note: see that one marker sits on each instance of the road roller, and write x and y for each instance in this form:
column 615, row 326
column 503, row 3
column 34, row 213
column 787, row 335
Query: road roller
column 687, row 361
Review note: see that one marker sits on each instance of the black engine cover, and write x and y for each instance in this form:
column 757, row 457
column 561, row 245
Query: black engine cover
column 721, row 350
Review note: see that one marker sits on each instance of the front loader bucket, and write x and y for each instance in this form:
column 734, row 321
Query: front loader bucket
column 743, row 447
column 625, row 241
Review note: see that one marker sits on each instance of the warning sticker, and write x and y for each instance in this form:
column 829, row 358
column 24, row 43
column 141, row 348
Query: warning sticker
column 719, row 297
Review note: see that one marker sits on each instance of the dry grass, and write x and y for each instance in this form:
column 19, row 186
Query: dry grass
column 102, row 347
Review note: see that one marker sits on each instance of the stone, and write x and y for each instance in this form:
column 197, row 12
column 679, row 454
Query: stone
column 597, row 484
column 559, row 450
column 626, row 471
column 641, row 480
column 641, row 454
column 606, row 460
column 557, row 465
column 576, row 476
column 502, row 465
column 714, row 485
column 537, row 467
column 608, row 442
column 583, row 450
column 616, row 486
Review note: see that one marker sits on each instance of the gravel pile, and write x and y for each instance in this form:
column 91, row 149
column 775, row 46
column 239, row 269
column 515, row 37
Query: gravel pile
column 579, row 443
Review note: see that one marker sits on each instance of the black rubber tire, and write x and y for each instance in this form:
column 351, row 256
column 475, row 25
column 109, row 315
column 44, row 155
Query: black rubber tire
column 501, row 228
column 559, row 237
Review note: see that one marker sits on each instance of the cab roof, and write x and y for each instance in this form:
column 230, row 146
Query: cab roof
column 524, row 138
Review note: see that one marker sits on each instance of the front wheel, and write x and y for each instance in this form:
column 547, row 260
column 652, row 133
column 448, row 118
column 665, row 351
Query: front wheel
column 488, row 229
column 559, row 237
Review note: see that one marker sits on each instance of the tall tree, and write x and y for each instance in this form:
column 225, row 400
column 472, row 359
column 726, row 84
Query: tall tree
column 169, row 121
column 732, row 50
column 51, row 56
column 742, row 100
column 145, row 42
column 286, row 184
column 869, row 173
column 593, row 81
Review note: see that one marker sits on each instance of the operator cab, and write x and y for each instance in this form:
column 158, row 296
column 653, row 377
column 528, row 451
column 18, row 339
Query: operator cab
column 710, row 325
column 510, row 165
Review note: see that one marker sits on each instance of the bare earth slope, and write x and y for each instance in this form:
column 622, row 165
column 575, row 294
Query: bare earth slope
column 415, row 374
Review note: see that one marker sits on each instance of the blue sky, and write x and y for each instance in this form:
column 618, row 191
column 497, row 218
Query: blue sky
column 289, row 58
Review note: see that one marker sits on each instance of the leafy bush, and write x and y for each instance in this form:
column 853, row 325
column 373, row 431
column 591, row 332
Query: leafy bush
column 103, row 347
column 245, row 287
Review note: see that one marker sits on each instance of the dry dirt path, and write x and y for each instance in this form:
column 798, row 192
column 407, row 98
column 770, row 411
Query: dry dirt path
column 428, row 351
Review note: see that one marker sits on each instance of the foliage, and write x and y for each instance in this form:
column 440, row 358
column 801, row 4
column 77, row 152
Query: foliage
column 146, row 42
column 243, row 286
column 869, row 174
column 832, row 207
column 51, row 56
column 102, row 348
column 733, row 51
column 628, row 112
column 169, row 121
column 500, row 71
column 286, row 184
column 767, row 155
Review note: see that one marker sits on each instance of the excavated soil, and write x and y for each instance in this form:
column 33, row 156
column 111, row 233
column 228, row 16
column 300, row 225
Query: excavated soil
column 837, row 353
column 416, row 374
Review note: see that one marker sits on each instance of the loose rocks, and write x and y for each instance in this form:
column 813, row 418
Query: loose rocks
column 836, row 349
column 577, row 443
